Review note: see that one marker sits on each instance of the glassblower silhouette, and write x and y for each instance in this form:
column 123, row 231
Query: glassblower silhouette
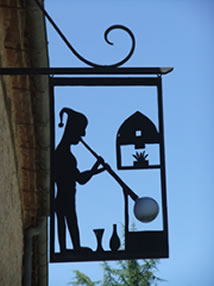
column 66, row 174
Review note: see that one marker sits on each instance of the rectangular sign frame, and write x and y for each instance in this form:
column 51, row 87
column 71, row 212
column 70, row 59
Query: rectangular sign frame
column 146, row 244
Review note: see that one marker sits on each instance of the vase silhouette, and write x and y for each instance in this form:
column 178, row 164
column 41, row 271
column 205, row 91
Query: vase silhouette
column 99, row 236
column 115, row 240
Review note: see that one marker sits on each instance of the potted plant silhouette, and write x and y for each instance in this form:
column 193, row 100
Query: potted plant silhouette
column 141, row 159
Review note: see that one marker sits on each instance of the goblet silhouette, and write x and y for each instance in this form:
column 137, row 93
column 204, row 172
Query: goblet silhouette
column 99, row 235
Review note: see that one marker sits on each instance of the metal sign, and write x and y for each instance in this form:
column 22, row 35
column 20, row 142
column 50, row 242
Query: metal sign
column 136, row 130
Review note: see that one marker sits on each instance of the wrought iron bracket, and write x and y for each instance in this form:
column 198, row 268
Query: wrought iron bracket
column 81, row 58
column 142, row 244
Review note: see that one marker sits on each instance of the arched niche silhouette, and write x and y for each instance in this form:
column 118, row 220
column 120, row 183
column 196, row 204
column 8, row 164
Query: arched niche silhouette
column 136, row 130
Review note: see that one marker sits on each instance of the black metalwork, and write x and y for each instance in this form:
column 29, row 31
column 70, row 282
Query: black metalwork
column 86, row 71
column 108, row 168
column 90, row 63
column 138, row 244
column 137, row 130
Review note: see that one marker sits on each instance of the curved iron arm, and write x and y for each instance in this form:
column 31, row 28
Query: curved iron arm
column 133, row 43
column 113, row 27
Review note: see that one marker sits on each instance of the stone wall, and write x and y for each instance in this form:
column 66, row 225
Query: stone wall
column 11, row 224
column 18, row 175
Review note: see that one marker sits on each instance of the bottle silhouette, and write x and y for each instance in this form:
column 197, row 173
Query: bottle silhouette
column 114, row 241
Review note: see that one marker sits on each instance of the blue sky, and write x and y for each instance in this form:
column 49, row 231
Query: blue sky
column 168, row 33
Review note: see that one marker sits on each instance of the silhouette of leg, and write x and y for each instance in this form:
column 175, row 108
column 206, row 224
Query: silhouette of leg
column 74, row 230
column 61, row 232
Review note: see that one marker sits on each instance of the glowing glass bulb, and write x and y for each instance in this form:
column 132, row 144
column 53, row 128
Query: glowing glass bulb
column 146, row 209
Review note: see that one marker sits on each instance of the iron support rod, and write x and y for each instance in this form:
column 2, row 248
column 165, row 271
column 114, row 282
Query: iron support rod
column 85, row 71
column 105, row 81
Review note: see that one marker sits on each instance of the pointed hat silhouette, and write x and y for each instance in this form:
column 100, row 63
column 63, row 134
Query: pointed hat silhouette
column 72, row 116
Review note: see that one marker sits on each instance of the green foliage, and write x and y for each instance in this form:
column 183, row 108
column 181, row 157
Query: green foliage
column 128, row 273
column 83, row 280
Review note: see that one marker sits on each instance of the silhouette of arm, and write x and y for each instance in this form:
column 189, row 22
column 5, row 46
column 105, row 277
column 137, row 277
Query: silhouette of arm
column 84, row 177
